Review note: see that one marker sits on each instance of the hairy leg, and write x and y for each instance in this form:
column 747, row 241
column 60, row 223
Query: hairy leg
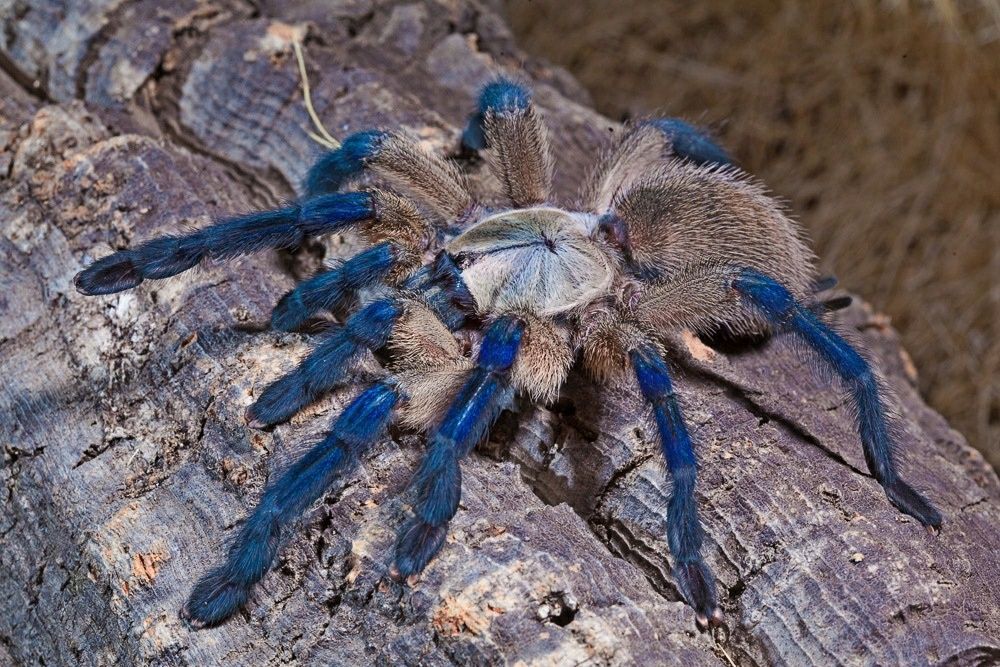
column 402, row 235
column 775, row 302
column 394, row 156
column 684, row 532
column 327, row 366
column 438, row 481
column 335, row 169
column 281, row 228
column 226, row 588
column 508, row 126
column 428, row 364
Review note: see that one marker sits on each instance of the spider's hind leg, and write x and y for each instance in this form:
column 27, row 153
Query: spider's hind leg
column 690, row 142
column 643, row 149
column 226, row 588
column 777, row 304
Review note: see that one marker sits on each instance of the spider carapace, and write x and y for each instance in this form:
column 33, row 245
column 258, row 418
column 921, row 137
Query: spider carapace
column 667, row 236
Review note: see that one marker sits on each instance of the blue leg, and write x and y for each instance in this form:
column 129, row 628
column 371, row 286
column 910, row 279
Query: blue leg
column 337, row 167
column 225, row 589
column 397, row 158
column 169, row 255
column 439, row 480
column 777, row 304
column 684, row 533
column 691, row 142
column 330, row 288
column 327, row 366
column 499, row 96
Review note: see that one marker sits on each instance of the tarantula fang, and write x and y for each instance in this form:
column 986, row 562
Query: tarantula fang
column 669, row 236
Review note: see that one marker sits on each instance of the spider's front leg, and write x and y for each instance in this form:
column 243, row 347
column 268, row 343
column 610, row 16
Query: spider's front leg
column 322, row 211
column 167, row 256
column 400, row 233
column 438, row 481
column 435, row 181
column 507, row 125
column 328, row 289
column 370, row 329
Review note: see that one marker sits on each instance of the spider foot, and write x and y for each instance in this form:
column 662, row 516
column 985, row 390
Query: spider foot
column 213, row 600
column 252, row 420
column 108, row 275
column 697, row 585
column 416, row 546
column 909, row 501
column 396, row 576
column 704, row 623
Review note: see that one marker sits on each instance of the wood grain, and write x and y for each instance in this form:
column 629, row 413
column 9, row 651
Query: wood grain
column 127, row 465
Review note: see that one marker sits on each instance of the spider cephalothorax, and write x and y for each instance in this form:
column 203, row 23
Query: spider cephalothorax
column 668, row 237
column 542, row 260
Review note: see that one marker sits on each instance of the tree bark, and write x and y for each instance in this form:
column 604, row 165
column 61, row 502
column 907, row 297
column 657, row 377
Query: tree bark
column 127, row 464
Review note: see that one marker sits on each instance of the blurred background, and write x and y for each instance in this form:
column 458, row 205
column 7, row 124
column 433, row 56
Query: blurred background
column 878, row 122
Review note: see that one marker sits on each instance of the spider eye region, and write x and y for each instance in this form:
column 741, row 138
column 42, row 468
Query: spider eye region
column 542, row 260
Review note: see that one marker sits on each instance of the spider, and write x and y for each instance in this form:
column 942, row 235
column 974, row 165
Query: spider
column 669, row 236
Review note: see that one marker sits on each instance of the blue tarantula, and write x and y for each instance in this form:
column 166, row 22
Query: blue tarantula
column 670, row 236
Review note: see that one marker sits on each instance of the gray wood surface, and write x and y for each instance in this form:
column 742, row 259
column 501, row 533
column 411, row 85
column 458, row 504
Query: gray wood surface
column 126, row 464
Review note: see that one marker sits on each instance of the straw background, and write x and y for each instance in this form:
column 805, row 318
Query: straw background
column 879, row 123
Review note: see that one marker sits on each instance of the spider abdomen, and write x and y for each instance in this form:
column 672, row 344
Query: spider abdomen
column 542, row 260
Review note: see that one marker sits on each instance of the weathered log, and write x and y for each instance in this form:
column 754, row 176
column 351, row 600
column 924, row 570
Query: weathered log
column 127, row 464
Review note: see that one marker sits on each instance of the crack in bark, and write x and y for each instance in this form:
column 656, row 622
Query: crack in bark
column 798, row 431
column 92, row 51
column 741, row 394
column 165, row 111
column 33, row 88
column 96, row 449
column 645, row 551
column 619, row 540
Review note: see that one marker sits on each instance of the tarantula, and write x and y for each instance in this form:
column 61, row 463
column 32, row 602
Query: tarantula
column 670, row 236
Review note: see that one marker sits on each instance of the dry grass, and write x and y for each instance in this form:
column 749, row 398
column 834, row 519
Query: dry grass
column 880, row 122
